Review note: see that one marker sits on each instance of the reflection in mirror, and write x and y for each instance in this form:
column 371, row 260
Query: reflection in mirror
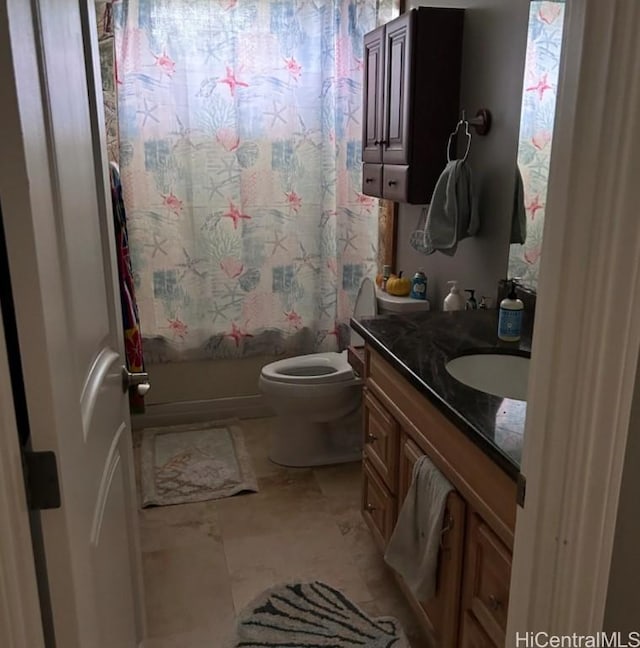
column 542, row 66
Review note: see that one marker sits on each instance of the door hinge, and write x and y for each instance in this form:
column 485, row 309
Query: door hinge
column 521, row 489
column 41, row 478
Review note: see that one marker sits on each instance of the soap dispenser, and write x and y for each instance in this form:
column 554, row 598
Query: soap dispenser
column 454, row 300
column 471, row 303
column 510, row 318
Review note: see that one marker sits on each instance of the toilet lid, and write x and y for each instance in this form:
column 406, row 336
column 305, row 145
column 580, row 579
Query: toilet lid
column 366, row 306
column 366, row 303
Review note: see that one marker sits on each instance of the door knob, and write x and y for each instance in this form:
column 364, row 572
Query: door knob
column 138, row 379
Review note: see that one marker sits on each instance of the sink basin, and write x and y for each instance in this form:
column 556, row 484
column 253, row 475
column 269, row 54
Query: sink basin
column 499, row 374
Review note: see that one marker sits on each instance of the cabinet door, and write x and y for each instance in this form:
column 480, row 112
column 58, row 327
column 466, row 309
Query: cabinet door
column 381, row 439
column 442, row 610
column 378, row 506
column 487, row 573
column 472, row 635
column 373, row 96
column 398, row 68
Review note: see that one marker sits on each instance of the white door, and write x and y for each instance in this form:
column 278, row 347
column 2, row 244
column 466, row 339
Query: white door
column 59, row 231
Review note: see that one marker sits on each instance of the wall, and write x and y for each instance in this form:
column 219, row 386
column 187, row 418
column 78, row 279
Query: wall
column 495, row 36
column 622, row 612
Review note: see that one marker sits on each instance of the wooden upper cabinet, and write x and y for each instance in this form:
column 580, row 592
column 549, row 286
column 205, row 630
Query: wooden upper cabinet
column 410, row 102
column 398, row 40
column 373, row 105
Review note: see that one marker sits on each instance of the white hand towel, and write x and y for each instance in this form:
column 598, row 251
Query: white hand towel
column 415, row 542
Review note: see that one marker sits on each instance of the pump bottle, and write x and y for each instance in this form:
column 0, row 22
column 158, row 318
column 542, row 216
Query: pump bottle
column 510, row 318
column 454, row 300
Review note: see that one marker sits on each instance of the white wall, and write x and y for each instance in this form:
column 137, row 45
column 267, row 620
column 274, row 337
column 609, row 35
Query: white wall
column 495, row 36
column 622, row 611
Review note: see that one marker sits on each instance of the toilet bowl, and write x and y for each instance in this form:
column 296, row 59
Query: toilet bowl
column 317, row 397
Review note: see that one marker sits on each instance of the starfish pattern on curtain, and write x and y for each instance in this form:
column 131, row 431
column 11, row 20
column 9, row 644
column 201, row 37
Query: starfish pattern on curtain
column 542, row 68
column 240, row 157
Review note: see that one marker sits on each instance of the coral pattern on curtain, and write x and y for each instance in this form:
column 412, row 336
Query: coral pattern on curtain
column 240, row 156
column 536, row 131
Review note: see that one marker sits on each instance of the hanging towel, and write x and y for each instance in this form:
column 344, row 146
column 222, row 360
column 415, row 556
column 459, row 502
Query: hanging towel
column 414, row 544
column 453, row 213
column 130, row 319
column 519, row 215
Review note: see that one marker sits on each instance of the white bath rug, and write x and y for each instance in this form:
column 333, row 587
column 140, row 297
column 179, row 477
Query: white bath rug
column 194, row 462
column 301, row 615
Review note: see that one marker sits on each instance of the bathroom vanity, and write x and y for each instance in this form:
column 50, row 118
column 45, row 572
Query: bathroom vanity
column 412, row 406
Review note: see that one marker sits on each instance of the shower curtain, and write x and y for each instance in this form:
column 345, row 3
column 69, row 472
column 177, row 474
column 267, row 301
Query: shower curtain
column 240, row 156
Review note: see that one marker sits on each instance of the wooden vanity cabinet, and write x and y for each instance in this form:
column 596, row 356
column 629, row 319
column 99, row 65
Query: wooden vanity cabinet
column 474, row 564
column 410, row 102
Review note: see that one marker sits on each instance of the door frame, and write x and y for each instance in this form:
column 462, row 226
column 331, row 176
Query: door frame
column 587, row 330
column 20, row 622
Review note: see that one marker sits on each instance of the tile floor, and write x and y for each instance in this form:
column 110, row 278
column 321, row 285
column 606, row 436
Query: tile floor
column 204, row 562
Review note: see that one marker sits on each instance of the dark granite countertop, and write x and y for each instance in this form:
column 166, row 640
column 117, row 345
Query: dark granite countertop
column 419, row 345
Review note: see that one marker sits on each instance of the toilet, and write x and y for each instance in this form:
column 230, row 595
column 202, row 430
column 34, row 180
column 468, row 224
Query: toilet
column 316, row 398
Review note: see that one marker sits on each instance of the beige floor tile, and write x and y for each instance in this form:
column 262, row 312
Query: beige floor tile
column 206, row 638
column 182, row 525
column 285, row 502
column 315, row 552
column 340, row 485
column 187, row 589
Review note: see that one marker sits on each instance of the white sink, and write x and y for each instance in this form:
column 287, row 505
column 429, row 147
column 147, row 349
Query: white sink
column 494, row 373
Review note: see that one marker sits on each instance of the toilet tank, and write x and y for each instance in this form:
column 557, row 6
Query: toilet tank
column 389, row 304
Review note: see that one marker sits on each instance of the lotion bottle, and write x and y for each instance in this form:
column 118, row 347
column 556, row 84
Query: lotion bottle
column 510, row 318
column 454, row 300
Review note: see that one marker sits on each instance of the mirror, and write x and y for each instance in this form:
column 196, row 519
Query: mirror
column 542, row 66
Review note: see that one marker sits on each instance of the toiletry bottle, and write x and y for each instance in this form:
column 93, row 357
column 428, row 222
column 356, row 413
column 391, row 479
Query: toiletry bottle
column 471, row 303
column 510, row 318
column 454, row 300
column 386, row 273
column 484, row 303
column 419, row 285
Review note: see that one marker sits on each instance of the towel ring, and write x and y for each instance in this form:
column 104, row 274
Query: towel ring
column 465, row 123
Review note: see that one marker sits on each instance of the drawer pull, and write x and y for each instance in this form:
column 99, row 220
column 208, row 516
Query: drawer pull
column 494, row 603
column 377, row 142
column 370, row 507
column 371, row 437
column 367, row 180
column 391, row 183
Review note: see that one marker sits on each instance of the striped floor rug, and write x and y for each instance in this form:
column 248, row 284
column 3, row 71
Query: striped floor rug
column 313, row 615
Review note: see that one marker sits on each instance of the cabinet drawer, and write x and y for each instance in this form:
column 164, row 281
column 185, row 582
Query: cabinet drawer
column 378, row 505
column 472, row 635
column 372, row 179
column 395, row 182
column 442, row 610
column 487, row 571
column 381, row 439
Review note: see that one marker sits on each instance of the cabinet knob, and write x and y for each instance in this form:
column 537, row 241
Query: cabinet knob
column 494, row 602
column 371, row 437
column 391, row 183
column 377, row 142
column 367, row 180
column 370, row 507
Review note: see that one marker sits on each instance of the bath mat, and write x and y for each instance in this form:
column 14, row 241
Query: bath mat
column 194, row 462
column 313, row 614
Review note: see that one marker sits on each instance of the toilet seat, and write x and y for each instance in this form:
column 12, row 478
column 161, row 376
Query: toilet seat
column 312, row 369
